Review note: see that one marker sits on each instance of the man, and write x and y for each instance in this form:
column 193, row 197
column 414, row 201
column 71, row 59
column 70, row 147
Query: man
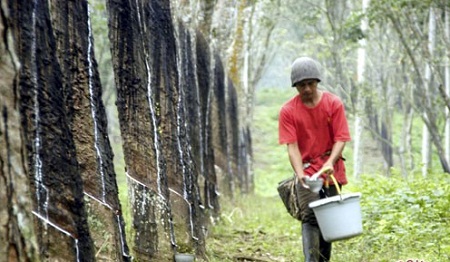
column 314, row 127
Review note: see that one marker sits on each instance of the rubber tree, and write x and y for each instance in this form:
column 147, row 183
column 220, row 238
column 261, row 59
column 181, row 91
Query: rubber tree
column 166, row 80
column 251, row 25
column 361, row 65
column 87, row 119
column 159, row 65
column 54, row 143
column 428, row 92
column 17, row 234
column 426, row 140
column 447, row 82
column 56, row 187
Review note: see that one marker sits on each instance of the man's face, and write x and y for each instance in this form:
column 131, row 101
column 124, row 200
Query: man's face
column 307, row 89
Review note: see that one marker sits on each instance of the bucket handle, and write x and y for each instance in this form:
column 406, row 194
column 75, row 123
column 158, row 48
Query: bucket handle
column 335, row 184
column 323, row 170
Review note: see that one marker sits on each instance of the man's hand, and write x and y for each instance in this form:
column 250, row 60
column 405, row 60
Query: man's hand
column 302, row 178
column 335, row 154
column 327, row 168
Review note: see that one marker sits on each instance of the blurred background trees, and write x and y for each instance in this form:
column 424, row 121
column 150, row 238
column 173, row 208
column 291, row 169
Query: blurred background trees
column 399, row 82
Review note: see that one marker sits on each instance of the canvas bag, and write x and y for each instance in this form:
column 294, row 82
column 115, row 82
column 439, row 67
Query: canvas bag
column 287, row 191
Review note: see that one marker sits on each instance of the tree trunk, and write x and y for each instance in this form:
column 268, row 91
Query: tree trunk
column 385, row 138
column 139, row 120
column 219, row 129
column 232, row 127
column 16, row 227
column 245, row 164
column 56, row 185
column 426, row 139
column 447, row 85
column 155, row 77
column 357, row 154
column 171, row 88
column 207, row 11
column 220, row 20
column 405, row 152
column 87, row 116
column 188, row 120
column 405, row 144
column 205, row 78
column 386, row 143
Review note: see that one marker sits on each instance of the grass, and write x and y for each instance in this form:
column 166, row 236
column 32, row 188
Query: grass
column 402, row 220
column 254, row 227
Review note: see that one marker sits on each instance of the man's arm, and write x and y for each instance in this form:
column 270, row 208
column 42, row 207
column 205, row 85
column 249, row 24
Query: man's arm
column 295, row 158
column 336, row 153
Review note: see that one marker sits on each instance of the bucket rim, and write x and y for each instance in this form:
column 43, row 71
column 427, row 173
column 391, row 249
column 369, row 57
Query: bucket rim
column 338, row 198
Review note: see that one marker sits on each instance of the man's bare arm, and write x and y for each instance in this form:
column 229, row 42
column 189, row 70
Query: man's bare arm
column 295, row 158
column 336, row 153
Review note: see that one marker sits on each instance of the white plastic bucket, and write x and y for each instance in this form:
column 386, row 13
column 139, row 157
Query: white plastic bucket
column 339, row 217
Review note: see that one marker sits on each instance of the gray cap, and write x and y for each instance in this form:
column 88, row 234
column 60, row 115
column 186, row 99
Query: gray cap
column 304, row 68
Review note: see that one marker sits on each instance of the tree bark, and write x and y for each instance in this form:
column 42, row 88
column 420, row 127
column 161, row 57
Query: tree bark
column 426, row 139
column 154, row 81
column 447, row 84
column 357, row 154
column 232, row 131
column 219, row 129
column 188, row 120
column 56, row 185
column 205, row 85
column 17, row 234
column 87, row 120
column 145, row 164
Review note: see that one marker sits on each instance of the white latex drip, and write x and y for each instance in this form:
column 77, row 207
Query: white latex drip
column 77, row 248
column 121, row 233
column 150, row 101
column 60, row 229
column 180, row 105
column 100, row 201
column 208, row 108
column 94, row 107
column 40, row 187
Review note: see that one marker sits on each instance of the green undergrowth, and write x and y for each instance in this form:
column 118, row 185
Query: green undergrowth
column 402, row 220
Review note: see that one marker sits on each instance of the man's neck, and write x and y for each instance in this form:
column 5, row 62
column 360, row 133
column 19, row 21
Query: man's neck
column 314, row 101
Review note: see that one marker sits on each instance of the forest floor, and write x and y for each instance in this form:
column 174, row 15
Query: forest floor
column 255, row 228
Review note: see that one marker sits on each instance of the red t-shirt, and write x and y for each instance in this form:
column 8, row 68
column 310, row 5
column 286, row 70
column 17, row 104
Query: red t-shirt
column 315, row 130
